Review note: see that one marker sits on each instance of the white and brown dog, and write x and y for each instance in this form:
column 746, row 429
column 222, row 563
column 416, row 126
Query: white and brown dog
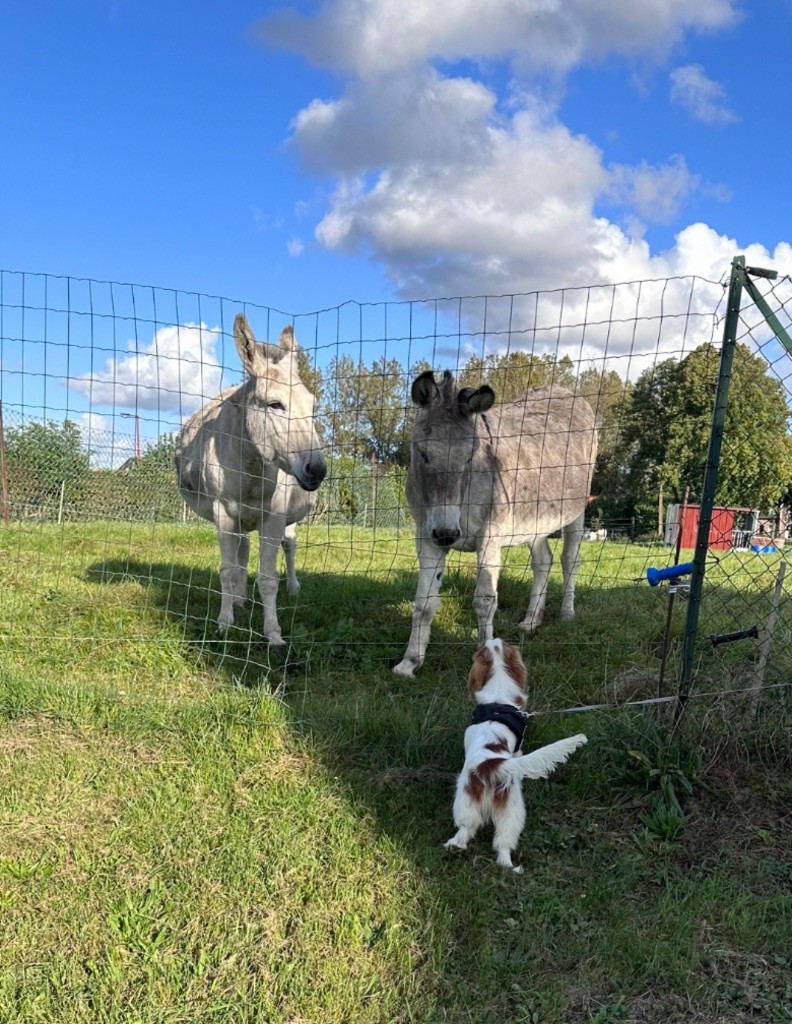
column 489, row 783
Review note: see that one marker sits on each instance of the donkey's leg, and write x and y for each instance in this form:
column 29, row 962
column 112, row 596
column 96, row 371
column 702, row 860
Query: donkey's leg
column 243, row 554
column 431, row 565
column 271, row 531
column 570, row 563
column 289, row 545
column 485, row 598
column 541, row 563
column 234, row 551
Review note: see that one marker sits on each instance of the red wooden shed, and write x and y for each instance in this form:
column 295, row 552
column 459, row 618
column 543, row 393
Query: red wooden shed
column 730, row 527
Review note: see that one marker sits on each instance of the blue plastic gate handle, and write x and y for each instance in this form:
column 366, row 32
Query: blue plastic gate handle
column 656, row 576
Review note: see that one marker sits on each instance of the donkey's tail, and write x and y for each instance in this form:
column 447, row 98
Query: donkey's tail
column 542, row 762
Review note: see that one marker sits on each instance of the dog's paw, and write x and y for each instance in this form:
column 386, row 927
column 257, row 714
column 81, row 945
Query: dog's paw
column 451, row 844
column 517, row 869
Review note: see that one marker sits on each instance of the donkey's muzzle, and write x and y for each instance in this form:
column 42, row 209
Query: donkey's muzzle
column 444, row 538
column 313, row 472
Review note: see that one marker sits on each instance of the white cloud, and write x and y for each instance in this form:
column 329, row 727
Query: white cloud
column 654, row 193
column 648, row 307
column 419, row 116
column 447, row 189
column 295, row 248
column 457, row 191
column 703, row 99
column 369, row 38
column 522, row 196
column 91, row 423
column 177, row 371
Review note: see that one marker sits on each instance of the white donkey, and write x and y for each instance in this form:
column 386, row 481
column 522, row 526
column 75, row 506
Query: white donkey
column 249, row 460
column 481, row 481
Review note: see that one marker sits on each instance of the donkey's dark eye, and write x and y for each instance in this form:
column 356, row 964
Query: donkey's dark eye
column 423, row 454
column 278, row 406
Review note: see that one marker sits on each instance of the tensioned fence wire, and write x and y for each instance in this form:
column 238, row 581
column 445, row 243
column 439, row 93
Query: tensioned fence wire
column 98, row 378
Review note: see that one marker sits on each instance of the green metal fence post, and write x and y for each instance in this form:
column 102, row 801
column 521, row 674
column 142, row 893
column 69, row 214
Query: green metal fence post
column 710, row 478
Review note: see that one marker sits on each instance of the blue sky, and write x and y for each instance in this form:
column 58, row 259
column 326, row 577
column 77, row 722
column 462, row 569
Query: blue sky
column 366, row 150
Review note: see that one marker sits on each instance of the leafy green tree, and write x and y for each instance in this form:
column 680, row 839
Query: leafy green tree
column 340, row 408
column 662, row 427
column 310, row 375
column 364, row 412
column 158, row 455
column 630, row 465
column 511, row 374
column 756, row 455
column 383, row 420
column 50, row 453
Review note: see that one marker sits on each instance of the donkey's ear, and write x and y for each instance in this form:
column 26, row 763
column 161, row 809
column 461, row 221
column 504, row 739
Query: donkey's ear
column 473, row 402
column 287, row 342
column 246, row 344
column 424, row 389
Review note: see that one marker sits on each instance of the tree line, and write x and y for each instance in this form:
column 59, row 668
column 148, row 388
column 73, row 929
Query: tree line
column 653, row 440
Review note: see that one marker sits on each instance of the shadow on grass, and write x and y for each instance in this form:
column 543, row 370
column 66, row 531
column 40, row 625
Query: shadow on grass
column 352, row 623
column 395, row 743
column 338, row 623
column 395, row 746
column 346, row 631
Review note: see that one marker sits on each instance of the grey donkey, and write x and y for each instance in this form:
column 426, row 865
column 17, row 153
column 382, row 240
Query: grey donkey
column 484, row 478
column 250, row 460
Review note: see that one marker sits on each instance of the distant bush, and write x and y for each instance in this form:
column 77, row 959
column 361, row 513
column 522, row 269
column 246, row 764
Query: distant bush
column 363, row 494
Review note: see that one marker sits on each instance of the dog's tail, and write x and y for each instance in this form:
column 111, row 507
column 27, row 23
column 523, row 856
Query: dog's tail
column 542, row 762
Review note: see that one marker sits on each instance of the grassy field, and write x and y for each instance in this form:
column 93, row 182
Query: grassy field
column 197, row 830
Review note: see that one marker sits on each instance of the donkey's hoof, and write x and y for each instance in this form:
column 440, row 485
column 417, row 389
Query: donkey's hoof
column 293, row 588
column 405, row 668
column 530, row 625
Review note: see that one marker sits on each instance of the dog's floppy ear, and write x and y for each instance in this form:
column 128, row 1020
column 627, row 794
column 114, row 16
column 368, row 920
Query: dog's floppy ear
column 514, row 666
column 481, row 671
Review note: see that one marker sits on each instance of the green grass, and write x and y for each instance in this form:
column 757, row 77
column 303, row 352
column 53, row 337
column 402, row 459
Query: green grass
column 194, row 830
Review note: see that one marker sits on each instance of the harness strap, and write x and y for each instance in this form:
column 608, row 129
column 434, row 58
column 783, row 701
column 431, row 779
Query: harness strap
column 506, row 714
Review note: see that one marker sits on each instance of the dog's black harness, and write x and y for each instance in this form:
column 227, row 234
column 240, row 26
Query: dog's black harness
column 506, row 714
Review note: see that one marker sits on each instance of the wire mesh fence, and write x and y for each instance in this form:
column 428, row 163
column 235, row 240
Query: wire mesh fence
column 98, row 379
column 738, row 624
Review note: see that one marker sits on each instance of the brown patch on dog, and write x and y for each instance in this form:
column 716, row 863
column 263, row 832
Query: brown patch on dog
column 481, row 673
column 474, row 788
column 500, row 795
column 485, row 776
column 498, row 746
column 487, row 771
